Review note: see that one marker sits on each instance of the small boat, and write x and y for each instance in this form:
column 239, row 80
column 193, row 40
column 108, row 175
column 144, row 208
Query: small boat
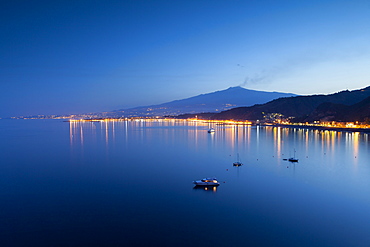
column 211, row 130
column 206, row 182
column 293, row 159
column 238, row 162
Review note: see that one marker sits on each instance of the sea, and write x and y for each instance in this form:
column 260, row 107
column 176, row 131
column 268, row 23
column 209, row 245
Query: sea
column 130, row 183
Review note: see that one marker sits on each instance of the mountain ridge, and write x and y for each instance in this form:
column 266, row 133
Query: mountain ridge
column 209, row 102
column 342, row 113
column 298, row 107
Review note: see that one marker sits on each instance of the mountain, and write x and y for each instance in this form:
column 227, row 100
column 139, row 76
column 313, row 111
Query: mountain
column 210, row 102
column 299, row 107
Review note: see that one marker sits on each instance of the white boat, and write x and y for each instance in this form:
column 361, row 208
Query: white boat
column 207, row 182
column 238, row 163
column 211, row 130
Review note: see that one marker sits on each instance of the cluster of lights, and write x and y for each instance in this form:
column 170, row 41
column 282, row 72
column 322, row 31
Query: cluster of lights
column 125, row 119
column 225, row 122
column 332, row 124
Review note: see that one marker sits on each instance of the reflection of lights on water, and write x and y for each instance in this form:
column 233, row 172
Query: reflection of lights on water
column 356, row 145
column 208, row 188
column 82, row 135
column 277, row 139
column 213, row 188
column 236, row 134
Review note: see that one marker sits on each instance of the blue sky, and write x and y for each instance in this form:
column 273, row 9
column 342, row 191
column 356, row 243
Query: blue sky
column 88, row 56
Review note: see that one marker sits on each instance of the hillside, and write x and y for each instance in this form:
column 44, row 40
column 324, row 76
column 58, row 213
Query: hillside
column 299, row 107
column 340, row 112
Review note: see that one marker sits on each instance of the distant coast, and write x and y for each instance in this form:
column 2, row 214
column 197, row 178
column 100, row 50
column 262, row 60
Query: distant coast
column 231, row 122
column 323, row 128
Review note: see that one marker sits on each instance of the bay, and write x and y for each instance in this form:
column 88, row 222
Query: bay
column 129, row 183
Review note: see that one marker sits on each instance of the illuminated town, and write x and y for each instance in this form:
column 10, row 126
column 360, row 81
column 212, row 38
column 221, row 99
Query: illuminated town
column 352, row 126
column 269, row 119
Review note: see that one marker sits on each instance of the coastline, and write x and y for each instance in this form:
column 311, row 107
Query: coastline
column 231, row 122
column 322, row 128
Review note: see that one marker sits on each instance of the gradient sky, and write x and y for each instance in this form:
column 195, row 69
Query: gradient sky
column 87, row 56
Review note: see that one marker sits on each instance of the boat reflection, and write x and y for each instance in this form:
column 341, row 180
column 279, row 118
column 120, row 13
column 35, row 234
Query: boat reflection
column 211, row 188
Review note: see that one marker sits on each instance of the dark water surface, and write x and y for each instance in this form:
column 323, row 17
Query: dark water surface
column 129, row 183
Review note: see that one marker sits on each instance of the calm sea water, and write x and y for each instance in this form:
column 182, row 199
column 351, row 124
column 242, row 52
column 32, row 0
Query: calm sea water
column 129, row 183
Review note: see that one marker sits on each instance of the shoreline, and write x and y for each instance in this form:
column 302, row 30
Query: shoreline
column 323, row 128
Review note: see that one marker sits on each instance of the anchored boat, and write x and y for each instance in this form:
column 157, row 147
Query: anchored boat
column 293, row 159
column 238, row 162
column 207, row 182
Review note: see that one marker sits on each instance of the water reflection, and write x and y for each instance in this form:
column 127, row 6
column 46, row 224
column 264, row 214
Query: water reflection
column 206, row 188
column 322, row 201
column 330, row 162
column 254, row 142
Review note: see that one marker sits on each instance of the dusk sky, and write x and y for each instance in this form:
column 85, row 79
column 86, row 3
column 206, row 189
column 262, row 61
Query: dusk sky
column 60, row 57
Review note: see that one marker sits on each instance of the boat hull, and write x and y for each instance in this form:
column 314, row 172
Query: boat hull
column 198, row 183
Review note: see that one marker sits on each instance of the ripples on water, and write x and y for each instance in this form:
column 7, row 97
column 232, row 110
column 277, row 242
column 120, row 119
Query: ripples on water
column 130, row 183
